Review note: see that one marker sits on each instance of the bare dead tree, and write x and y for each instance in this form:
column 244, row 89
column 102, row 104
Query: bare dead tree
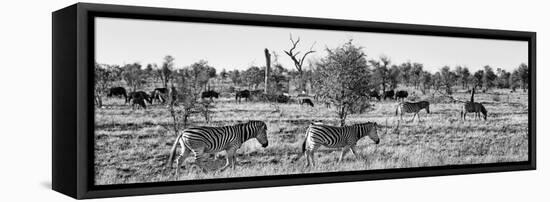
column 298, row 61
column 267, row 68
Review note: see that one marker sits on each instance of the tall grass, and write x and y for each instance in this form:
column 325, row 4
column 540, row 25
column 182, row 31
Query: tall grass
column 132, row 146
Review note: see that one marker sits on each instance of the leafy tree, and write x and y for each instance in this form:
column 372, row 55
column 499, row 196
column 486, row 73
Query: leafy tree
column 426, row 81
column 235, row 77
column 278, row 78
column 520, row 78
column 437, row 81
column 201, row 73
column 415, row 74
column 448, row 79
column 464, row 76
column 188, row 84
column 104, row 76
column 165, row 71
column 253, row 76
column 382, row 72
column 503, row 78
column 344, row 80
column 489, row 77
column 133, row 76
column 478, row 78
column 404, row 70
column 523, row 73
column 394, row 76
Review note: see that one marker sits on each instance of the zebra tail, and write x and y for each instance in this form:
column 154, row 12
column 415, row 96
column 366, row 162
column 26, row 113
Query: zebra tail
column 173, row 151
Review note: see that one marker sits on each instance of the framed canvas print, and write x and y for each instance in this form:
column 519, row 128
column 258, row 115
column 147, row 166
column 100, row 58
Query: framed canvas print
column 156, row 100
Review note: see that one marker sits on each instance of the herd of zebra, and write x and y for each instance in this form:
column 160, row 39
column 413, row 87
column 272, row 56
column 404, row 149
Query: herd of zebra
column 199, row 141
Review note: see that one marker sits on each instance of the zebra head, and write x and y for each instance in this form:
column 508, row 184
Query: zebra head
column 484, row 112
column 369, row 129
column 261, row 132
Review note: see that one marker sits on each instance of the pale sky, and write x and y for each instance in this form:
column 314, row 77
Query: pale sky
column 123, row 41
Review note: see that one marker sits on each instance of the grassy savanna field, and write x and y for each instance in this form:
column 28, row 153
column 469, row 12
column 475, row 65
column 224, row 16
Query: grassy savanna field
column 132, row 146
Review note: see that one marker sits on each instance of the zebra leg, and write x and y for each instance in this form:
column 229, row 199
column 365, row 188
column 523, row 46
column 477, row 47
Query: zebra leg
column 413, row 117
column 308, row 157
column 199, row 159
column 230, row 159
column 312, row 156
column 183, row 155
column 306, row 153
column 354, row 152
column 344, row 151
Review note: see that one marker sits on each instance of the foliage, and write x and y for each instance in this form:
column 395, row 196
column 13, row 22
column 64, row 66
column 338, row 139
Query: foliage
column 186, row 93
column 489, row 77
column 104, row 76
column 133, row 76
column 344, row 80
column 447, row 79
column 382, row 72
column 165, row 71
column 253, row 76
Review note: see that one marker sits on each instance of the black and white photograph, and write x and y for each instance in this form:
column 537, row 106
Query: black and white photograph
column 179, row 101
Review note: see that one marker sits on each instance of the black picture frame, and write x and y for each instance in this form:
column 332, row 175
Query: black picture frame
column 73, row 109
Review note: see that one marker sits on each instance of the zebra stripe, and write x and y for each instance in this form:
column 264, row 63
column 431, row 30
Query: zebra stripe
column 336, row 137
column 474, row 107
column 412, row 107
column 200, row 140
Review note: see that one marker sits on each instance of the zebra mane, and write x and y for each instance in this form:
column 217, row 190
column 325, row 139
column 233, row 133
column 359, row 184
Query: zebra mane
column 250, row 122
column 363, row 124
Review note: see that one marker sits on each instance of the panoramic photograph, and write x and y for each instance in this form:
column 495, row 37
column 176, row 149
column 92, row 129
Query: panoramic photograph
column 180, row 101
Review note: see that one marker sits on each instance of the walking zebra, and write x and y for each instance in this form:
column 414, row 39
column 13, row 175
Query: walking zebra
column 201, row 140
column 412, row 107
column 336, row 137
column 475, row 107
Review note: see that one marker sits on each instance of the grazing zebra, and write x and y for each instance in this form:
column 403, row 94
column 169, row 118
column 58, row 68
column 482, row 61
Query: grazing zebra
column 336, row 137
column 412, row 107
column 201, row 140
column 475, row 107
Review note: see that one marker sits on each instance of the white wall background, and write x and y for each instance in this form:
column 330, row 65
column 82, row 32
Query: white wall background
column 25, row 104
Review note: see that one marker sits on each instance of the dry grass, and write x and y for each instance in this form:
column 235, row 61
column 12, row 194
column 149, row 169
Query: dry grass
column 131, row 146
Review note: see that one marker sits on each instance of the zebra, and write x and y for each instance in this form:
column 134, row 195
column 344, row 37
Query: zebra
column 201, row 140
column 412, row 107
column 336, row 137
column 475, row 107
